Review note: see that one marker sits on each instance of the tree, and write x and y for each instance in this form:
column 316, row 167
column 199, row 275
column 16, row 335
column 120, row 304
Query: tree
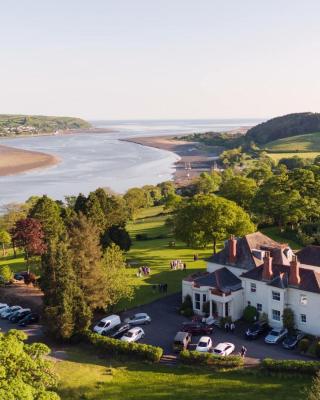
column 172, row 201
column 209, row 219
column 85, row 257
column 166, row 188
column 25, row 373
column 288, row 319
column 118, row 282
column 135, row 199
column 94, row 212
column 6, row 273
column 152, row 195
column 239, row 189
column 314, row 392
column 28, row 235
column 208, row 183
column 5, row 240
column 118, row 235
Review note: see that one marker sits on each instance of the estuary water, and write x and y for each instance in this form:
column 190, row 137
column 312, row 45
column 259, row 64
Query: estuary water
column 91, row 160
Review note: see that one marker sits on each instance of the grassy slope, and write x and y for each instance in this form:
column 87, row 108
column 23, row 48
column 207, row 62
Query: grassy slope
column 309, row 142
column 277, row 156
column 280, row 237
column 84, row 376
column 157, row 255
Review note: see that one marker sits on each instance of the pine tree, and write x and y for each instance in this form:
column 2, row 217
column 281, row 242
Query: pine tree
column 86, row 261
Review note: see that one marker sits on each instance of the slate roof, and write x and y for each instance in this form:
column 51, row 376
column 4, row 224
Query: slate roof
column 310, row 279
column 245, row 259
column 309, row 255
column 221, row 279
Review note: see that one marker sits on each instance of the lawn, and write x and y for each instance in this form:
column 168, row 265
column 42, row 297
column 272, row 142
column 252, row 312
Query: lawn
column 16, row 264
column 277, row 156
column 85, row 376
column 282, row 237
column 309, row 142
column 157, row 254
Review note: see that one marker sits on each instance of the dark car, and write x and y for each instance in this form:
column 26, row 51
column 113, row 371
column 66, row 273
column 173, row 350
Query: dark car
column 18, row 277
column 257, row 329
column 117, row 332
column 197, row 328
column 19, row 315
column 31, row 318
column 292, row 339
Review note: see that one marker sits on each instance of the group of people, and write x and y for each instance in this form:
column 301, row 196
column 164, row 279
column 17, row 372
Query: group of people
column 143, row 271
column 229, row 327
column 162, row 287
column 178, row 264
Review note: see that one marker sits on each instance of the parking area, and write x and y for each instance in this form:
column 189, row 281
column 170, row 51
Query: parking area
column 166, row 322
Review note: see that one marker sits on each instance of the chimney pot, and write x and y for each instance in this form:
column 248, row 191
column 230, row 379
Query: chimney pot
column 232, row 249
column 294, row 276
column 267, row 267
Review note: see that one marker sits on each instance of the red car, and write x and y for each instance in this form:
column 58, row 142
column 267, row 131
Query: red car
column 197, row 328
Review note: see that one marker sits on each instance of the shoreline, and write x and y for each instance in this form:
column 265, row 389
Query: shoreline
column 15, row 161
column 193, row 159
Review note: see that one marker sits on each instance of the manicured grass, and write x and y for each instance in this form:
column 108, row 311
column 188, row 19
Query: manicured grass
column 16, row 264
column 277, row 156
column 309, row 142
column 157, row 254
column 281, row 237
column 84, row 376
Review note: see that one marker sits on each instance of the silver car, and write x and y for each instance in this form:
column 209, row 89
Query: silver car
column 138, row 319
column 275, row 335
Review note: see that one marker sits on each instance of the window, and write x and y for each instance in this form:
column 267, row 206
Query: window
column 197, row 301
column 276, row 315
column 303, row 299
column 249, row 303
column 253, row 287
column 303, row 318
column 204, row 298
column 259, row 307
column 276, row 296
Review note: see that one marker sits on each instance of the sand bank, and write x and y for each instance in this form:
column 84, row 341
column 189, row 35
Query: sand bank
column 191, row 154
column 14, row 161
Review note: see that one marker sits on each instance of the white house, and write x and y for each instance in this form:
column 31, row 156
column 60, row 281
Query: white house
column 255, row 270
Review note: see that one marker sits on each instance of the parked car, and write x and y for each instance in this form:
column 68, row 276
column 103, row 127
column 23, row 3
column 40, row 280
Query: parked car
column 31, row 318
column 224, row 349
column 18, row 315
column 107, row 323
column 133, row 335
column 275, row 335
column 204, row 345
column 257, row 329
column 181, row 341
column 18, row 277
column 138, row 319
column 197, row 328
column 8, row 311
column 292, row 339
column 3, row 306
column 117, row 331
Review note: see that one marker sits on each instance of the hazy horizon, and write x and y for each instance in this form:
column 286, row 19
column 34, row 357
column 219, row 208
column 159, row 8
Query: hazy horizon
column 168, row 60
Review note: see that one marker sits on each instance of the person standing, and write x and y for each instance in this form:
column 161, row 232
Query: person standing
column 232, row 327
column 243, row 351
column 226, row 326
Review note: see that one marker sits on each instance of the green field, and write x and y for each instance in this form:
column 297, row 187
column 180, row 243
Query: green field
column 84, row 376
column 309, row 142
column 157, row 254
column 277, row 156
column 281, row 237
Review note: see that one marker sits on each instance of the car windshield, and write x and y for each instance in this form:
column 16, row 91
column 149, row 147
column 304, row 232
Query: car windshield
column 274, row 333
column 129, row 334
column 101, row 324
column 203, row 344
column 217, row 351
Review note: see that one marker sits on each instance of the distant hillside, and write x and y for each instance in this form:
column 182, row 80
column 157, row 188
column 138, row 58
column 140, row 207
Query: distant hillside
column 11, row 125
column 283, row 127
column 300, row 143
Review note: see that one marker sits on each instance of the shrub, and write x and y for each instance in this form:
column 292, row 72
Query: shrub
column 119, row 347
column 250, row 314
column 186, row 308
column 304, row 345
column 194, row 357
column 206, row 308
column 187, row 312
column 6, row 273
column 303, row 367
column 288, row 319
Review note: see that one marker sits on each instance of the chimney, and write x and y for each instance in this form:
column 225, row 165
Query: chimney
column 294, row 276
column 232, row 244
column 267, row 267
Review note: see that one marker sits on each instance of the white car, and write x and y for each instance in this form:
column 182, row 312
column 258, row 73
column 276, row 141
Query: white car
column 204, row 345
column 138, row 319
column 275, row 335
column 8, row 311
column 133, row 335
column 3, row 306
column 224, row 349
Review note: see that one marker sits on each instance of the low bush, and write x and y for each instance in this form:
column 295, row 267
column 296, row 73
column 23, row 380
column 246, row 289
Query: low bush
column 194, row 357
column 187, row 312
column 142, row 236
column 118, row 347
column 304, row 345
column 250, row 314
column 302, row 367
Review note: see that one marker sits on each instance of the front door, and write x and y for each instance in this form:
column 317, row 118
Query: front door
column 227, row 311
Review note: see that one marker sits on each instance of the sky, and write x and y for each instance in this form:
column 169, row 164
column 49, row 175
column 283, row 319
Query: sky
column 159, row 59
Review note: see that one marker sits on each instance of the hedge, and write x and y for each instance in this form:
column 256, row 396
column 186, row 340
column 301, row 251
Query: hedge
column 299, row 366
column 195, row 357
column 119, row 347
